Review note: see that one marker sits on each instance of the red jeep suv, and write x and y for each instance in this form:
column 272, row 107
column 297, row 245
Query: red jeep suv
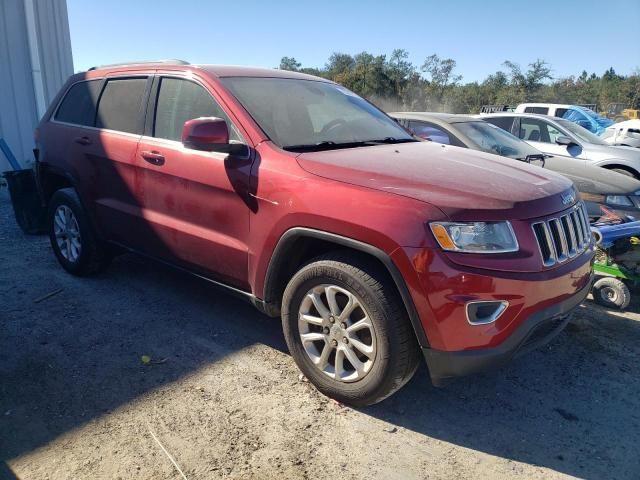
column 303, row 198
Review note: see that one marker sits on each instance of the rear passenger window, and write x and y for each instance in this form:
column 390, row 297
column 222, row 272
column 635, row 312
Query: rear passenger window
column 538, row 110
column 79, row 104
column 121, row 104
column 181, row 100
column 504, row 123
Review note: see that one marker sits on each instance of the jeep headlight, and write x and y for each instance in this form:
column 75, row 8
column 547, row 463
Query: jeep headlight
column 475, row 237
column 619, row 200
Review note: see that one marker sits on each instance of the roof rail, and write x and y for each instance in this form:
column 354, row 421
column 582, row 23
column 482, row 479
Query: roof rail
column 169, row 61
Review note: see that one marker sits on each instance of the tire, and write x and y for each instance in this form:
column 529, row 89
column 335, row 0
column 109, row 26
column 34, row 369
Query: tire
column 611, row 293
column 392, row 354
column 72, row 236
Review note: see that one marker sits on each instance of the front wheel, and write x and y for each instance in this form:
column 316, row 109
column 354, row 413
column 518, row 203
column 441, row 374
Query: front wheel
column 611, row 293
column 347, row 329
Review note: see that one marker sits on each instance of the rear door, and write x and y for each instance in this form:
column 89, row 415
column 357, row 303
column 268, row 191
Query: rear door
column 194, row 201
column 94, row 133
column 111, row 164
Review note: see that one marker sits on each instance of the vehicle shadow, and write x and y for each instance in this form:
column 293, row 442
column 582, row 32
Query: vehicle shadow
column 75, row 356
column 6, row 473
column 570, row 406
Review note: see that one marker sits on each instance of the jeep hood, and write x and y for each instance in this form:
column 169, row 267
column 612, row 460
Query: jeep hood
column 463, row 183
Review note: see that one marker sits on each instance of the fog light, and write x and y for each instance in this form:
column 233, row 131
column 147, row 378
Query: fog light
column 484, row 312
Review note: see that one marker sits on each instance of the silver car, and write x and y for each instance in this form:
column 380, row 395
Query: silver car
column 557, row 136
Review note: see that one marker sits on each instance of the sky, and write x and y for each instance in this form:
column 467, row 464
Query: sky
column 479, row 35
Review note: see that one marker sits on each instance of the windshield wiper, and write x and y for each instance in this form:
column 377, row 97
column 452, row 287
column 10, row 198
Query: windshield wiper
column 531, row 158
column 330, row 145
column 391, row 140
column 324, row 145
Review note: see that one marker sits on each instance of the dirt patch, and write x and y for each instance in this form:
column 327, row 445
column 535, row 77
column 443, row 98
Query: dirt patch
column 225, row 400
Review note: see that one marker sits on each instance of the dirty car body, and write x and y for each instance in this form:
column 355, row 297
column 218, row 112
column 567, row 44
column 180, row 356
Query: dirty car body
column 271, row 194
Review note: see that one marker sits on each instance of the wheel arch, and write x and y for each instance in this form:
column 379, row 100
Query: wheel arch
column 299, row 244
column 50, row 180
column 621, row 165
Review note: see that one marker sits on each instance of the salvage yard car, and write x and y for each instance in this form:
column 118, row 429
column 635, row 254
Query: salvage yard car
column 557, row 136
column 585, row 117
column 597, row 186
column 626, row 134
column 301, row 197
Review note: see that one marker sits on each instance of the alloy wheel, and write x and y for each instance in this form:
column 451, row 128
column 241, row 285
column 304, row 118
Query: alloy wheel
column 67, row 233
column 337, row 333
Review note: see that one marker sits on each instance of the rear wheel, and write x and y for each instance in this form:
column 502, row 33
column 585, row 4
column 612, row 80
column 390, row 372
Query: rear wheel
column 72, row 237
column 347, row 329
column 611, row 293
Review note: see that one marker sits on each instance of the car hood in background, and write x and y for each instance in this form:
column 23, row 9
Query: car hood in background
column 463, row 183
column 592, row 179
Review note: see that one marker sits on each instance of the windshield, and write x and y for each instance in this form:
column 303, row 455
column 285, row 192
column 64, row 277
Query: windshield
column 582, row 133
column 303, row 114
column 492, row 139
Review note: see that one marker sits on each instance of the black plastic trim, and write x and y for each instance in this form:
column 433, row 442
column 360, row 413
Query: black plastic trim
column 279, row 257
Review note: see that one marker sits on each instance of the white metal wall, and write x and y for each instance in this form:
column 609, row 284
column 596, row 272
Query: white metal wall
column 35, row 60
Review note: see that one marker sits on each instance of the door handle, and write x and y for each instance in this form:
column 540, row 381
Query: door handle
column 82, row 140
column 153, row 157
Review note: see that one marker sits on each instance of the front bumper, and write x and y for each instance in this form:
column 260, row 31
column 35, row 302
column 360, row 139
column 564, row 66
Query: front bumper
column 532, row 333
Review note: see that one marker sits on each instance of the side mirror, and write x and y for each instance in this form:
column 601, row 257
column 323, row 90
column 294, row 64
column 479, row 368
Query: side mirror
column 210, row 134
column 563, row 140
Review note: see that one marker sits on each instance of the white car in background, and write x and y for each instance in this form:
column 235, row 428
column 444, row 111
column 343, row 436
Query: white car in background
column 585, row 117
column 557, row 136
column 625, row 133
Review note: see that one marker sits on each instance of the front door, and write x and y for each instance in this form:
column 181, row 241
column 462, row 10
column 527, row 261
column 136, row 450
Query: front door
column 194, row 201
column 542, row 135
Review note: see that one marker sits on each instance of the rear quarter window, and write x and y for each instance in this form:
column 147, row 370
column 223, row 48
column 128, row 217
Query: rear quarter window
column 79, row 104
column 120, row 106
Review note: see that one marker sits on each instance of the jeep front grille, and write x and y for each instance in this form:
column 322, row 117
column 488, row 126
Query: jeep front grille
column 563, row 237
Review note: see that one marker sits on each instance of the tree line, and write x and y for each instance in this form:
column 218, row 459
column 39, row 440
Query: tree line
column 394, row 83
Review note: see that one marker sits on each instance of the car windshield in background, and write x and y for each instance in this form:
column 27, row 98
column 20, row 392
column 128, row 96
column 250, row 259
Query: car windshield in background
column 582, row 133
column 307, row 115
column 492, row 139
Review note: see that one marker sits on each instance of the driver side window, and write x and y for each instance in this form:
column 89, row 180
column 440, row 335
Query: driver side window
column 533, row 131
column 554, row 133
column 181, row 100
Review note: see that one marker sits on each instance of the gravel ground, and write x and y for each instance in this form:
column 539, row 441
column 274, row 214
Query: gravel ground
column 224, row 399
